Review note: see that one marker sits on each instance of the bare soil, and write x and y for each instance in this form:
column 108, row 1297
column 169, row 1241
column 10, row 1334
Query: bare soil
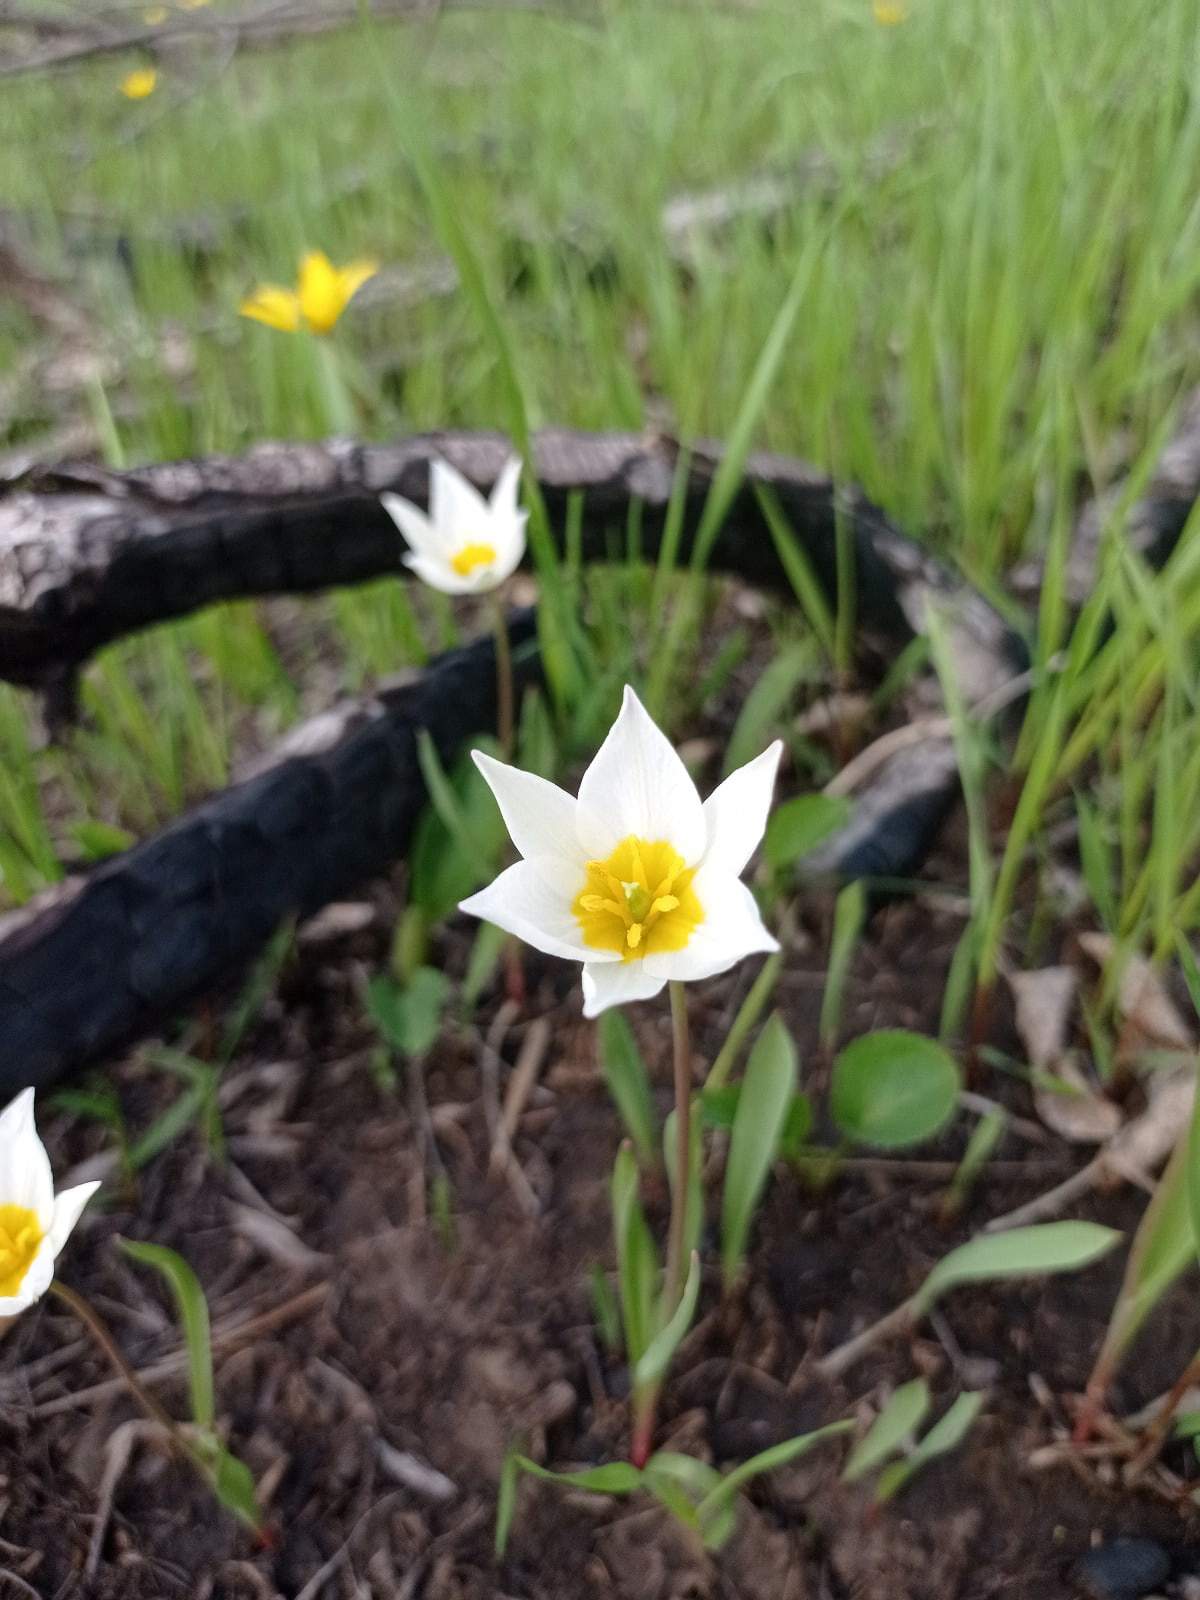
column 376, row 1357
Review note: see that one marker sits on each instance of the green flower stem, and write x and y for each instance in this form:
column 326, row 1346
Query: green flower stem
column 336, row 403
column 683, row 1145
column 645, row 1401
column 504, row 676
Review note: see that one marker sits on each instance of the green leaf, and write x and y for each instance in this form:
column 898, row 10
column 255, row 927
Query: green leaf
column 604, row 1307
column 193, row 1315
column 719, row 1106
column 797, row 1125
column 893, row 1088
column 766, row 704
column 799, row 825
column 458, row 838
column 506, row 1500
column 902, row 1416
column 452, row 812
column 1019, row 1253
column 234, row 1485
column 637, row 1259
column 1191, row 972
column 681, row 1482
column 648, row 1372
column 849, row 914
column 628, row 1082
column 614, row 1477
column 1162, row 1247
column 1193, row 1176
column 762, row 1109
column 409, row 1018
column 943, row 1437
column 99, row 840
column 766, row 1461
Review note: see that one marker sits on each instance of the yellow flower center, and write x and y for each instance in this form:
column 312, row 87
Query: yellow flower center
column 20, row 1236
column 639, row 902
column 472, row 556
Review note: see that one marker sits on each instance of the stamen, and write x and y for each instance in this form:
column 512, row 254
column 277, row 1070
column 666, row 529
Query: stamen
column 634, row 937
column 471, row 556
column 665, row 902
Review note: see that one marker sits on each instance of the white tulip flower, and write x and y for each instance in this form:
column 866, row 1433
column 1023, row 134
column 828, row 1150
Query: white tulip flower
column 34, row 1221
column 466, row 544
column 637, row 878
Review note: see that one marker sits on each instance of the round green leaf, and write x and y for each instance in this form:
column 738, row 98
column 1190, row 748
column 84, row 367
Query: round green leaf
column 893, row 1088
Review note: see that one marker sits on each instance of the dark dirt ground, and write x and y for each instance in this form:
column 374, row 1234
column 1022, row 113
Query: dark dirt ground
column 374, row 1364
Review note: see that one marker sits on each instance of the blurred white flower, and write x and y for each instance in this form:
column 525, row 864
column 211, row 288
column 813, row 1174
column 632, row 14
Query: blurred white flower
column 637, row 878
column 34, row 1222
column 466, row 544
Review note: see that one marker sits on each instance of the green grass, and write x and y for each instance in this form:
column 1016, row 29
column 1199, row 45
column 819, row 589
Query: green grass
column 980, row 316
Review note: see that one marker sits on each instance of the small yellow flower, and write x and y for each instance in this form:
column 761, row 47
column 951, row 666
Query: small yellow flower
column 889, row 14
column 137, row 85
column 322, row 293
column 155, row 16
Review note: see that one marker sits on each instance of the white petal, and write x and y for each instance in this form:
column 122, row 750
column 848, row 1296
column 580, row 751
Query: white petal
column 25, row 1176
column 68, row 1206
column 34, row 1284
column 456, row 507
column 735, row 813
column 504, row 492
column 539, row 816
column 439, row 574
column 419, row 533
column 732, row 929
column 637, row 784
column 533, row 900
column 508, row 541
column 615, row 984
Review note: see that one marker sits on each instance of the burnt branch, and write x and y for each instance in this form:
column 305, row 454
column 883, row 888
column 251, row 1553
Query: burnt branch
column 88, row 555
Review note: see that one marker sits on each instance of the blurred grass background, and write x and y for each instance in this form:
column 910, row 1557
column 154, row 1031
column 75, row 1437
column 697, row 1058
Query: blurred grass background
column 1000, row 320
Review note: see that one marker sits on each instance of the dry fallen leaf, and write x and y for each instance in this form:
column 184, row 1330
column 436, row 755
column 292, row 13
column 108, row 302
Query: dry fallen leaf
column 1151, row 1016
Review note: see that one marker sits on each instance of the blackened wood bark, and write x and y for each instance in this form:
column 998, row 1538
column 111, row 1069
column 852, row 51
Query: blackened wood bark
column 87, row 555
column 105, row 959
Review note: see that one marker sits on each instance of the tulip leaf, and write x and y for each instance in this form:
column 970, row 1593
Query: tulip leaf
column 758, row 1123
column 902, row 1416
column 628, row 1082
column 410, row 1016
column 1021, row 1252
column 943, row 1437
column 193, row 1315
column 778, row 1455
column 1162, row 1247
column 458, row 838
column 893, row 1088
column 637, row 1259
column 653, row 1363
column 767, row 703
column 799, row 825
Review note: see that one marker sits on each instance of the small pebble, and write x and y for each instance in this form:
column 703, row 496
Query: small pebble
column 1125, row 1569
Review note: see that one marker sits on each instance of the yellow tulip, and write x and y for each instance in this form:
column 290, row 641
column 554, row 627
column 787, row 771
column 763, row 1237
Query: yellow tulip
column 322, row 293
column 137, row 85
